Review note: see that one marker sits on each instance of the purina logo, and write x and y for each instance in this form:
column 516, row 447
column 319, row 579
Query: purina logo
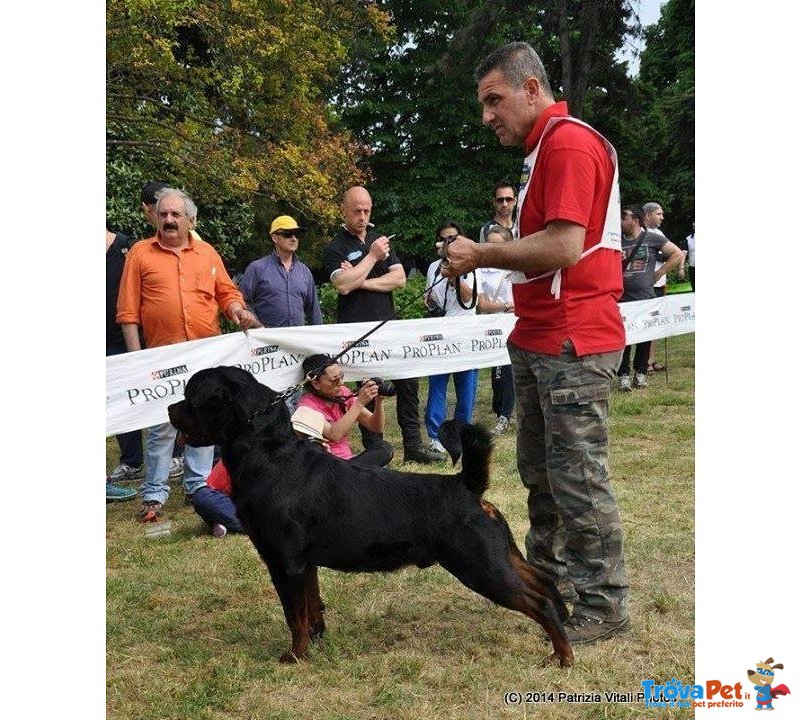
column 169, row 372
column 266, row 350
column 493, row 332
column 685, row 308
column 431, row 338
column 348, row 344
column 655, row 313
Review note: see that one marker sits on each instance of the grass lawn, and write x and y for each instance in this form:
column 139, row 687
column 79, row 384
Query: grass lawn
column 194, row 626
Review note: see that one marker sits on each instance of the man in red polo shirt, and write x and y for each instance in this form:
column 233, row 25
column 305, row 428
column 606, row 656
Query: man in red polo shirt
column 173, row 286
column 569, row 336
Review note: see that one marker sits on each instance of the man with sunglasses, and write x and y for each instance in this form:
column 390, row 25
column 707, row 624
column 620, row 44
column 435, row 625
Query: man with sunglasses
column 504, row 200
column 279, row 287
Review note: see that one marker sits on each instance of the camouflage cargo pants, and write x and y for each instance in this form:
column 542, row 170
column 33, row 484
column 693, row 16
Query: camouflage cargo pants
column 562, row 457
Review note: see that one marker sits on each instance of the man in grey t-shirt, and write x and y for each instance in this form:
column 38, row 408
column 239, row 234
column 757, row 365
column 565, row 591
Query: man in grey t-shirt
column 640, row 250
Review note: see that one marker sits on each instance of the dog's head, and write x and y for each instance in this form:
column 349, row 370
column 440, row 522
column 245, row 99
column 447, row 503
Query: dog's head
column 222, row 403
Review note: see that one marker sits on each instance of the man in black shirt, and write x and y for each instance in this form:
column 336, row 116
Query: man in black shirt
column 364, row 270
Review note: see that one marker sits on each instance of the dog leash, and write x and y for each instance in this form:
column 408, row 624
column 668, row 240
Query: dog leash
column 286, row 394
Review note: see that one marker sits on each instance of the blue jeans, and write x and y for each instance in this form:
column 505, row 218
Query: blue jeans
column 158, row 454
column 466, row 385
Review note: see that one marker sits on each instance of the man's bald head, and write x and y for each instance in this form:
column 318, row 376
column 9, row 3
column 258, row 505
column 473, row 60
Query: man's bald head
column 356, row 210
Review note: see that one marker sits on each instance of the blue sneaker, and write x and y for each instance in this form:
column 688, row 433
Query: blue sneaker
column 115, row 493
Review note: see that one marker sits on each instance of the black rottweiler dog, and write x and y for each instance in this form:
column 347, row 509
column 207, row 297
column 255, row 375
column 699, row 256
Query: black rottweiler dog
column 303, row 508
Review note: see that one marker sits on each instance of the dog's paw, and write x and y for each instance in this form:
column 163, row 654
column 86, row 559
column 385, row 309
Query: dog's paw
column 289, row 658
column 565, row 660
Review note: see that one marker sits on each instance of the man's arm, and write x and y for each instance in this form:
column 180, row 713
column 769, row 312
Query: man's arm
column 395, row 278
column 130, row 333
column 352, row 277
column 681, row 268
column 559, row 245
column 673, row 255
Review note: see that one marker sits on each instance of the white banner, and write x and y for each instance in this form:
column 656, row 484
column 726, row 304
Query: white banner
column 140, row 385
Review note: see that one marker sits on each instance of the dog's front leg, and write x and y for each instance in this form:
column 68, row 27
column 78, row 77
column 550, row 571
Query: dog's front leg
column 292, row 593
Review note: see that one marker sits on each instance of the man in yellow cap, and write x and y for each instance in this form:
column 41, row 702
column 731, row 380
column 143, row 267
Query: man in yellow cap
column 278, row 287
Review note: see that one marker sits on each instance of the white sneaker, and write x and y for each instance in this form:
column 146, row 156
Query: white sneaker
column 123, row 473
column 436, row 445
column 625, row 383
column 640, row 380
column 176, row 467
column 502, row 425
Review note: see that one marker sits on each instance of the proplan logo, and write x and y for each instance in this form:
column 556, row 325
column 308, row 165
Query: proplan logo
column 168, row 372
column 349, row 344
column 266, row 350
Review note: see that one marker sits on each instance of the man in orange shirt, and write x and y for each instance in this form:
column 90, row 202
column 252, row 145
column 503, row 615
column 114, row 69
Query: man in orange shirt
column 173, row 286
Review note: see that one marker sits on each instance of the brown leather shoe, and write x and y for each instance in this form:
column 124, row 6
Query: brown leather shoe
column 585, row 630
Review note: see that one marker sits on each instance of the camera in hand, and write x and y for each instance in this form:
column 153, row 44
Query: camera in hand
column 385, row 388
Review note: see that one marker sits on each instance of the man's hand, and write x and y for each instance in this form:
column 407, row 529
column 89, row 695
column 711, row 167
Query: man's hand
column 462, row 256
column 379, row 248
column 245, row 319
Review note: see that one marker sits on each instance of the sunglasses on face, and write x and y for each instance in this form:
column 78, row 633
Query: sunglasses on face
column 504, row 199
column 447, row 238
column 288, row 233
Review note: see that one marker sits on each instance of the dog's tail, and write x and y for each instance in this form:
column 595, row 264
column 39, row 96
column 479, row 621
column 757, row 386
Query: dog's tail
column 474, row 442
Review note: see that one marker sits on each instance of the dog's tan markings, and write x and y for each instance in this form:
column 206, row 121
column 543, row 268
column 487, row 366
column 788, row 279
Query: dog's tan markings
column 489, row 509
column 532, row 600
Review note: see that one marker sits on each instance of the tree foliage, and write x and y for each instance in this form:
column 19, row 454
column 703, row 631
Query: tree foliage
column 413, row 101
column 228, row 99
column 264, row 107
column 664, row 126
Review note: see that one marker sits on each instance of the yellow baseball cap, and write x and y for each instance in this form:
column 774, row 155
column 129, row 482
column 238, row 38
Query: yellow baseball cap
column 284, row 222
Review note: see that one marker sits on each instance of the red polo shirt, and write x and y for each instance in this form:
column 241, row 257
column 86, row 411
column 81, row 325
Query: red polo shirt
column 571, row 181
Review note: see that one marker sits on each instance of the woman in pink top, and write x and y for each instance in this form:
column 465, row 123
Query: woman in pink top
column 342, row 409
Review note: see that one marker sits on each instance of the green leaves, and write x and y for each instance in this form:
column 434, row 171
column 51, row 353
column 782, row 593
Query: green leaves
column 227, row 99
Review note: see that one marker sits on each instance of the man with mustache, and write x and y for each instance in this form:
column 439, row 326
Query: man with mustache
column 131, row 457
column 173, row 286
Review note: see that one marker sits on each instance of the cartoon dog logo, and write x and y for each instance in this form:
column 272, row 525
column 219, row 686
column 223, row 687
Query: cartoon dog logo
column 762, row 678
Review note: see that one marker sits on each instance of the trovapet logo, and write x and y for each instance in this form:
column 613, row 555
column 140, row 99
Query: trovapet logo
column 716, row 693
column 713, row 693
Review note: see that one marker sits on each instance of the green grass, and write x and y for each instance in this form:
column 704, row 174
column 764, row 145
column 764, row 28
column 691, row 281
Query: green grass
column 194, row 627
